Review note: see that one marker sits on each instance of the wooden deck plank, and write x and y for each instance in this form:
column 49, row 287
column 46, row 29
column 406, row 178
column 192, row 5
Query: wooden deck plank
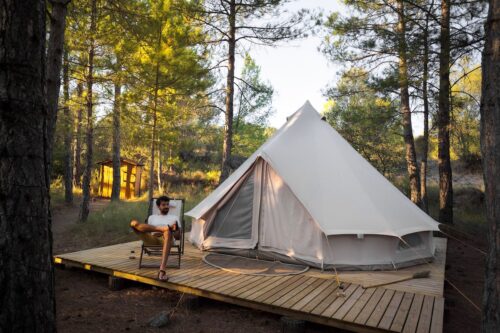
column 270, row 287
column 315, row 302
column 201, row 277
column 294, row 296
column 329, row 299
column 311, row 295
column 277, row 289
column 243, row 287
column 245, row 280
column 379, row 310
column 370, row 306
column 214, row 286
column 349, row 303
column 424, row 323
column 390, row 312
column 437, row 316
column 337, row 303
column 414, row 314
column 259, row 288
column 257, row 285
column 234, row 281
column 314, row 294
column 251, row 286
column 360, row 304
column 404, row 308
column 297, row 284
column 203, row 284
column 303, row 294
column 178, row 277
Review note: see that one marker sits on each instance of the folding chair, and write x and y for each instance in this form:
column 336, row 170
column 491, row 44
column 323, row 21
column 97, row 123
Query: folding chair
column 152, row 245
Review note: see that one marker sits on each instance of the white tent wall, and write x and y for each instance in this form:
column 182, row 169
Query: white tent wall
column 316, row 200
column 375, row 252
column 331, row 179
column 287, row 232
column 285, row 225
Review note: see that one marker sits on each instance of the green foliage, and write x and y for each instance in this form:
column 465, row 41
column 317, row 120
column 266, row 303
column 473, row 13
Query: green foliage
column 253, row 97
column 466, row 94
column 367, row 119
column 253, row 109
column 249, row 138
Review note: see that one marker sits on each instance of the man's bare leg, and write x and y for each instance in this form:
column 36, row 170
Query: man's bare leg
column 144, row 227
column 167, row 245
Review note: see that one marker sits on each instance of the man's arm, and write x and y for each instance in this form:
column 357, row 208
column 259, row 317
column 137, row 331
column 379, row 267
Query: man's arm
column 174, row 226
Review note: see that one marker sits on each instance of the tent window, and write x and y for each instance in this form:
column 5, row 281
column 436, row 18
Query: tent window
column 234, row 219
column 411, row 241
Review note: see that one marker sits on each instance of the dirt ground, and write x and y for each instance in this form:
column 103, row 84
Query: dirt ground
column 85, row 304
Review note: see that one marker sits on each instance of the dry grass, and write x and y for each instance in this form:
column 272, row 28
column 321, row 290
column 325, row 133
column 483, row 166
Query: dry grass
column 110, row 225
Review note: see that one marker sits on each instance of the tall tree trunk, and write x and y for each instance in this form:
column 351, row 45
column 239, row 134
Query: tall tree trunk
column 160, row 185
column 115, row 191
column 68, row 136
column 87, row 173
column 228, row 125
column 411, row 155
column 490, row 150
column 155, row 109
column 53, row 69
column 443, row 120
column 26, row 274
column 78, row 138
column 425, row 97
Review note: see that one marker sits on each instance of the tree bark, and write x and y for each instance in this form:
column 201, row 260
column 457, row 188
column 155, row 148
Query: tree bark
column 228, row 125
column 115, row 191
column 53, row 69
column 68, row 136
column 425, row 97
column 443, row 120
column 160, row 185
column 411, row 155
column 78, row 138
column 26, row 275
column 87, row 174
column 490, row 150
column 155, row 109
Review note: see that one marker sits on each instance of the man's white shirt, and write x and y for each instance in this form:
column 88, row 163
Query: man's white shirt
column 162, row 220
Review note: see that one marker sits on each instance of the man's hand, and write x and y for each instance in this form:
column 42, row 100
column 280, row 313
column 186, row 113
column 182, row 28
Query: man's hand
column 175, row 226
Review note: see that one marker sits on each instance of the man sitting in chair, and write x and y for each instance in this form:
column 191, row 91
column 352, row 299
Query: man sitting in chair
column 161, row 225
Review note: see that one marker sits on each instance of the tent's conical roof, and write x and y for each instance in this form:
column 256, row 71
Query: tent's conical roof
column 342, row 191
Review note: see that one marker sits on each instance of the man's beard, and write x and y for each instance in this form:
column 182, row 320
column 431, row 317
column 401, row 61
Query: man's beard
column 164, row 211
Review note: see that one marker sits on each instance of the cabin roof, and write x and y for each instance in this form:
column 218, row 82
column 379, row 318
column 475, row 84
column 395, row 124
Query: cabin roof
column 122, row 161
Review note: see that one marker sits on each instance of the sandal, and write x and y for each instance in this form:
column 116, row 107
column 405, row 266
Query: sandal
column 162, row 277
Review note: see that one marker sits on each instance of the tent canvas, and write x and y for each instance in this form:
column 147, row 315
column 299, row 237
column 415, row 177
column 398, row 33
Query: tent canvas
column 306, row 195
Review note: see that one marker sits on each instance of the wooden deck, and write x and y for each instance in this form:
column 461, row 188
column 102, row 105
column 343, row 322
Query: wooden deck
column 412, row 306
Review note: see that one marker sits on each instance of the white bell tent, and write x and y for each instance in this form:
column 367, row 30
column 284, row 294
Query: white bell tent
column 307, row 196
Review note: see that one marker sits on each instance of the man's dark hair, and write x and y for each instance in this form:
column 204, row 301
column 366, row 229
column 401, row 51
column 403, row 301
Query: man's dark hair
column 162, row 198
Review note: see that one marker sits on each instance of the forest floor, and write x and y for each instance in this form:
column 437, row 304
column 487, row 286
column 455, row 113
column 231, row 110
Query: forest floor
column 85, row 304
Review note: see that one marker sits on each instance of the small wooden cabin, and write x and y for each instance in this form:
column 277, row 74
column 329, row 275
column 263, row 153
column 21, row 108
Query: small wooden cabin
column 132, row 183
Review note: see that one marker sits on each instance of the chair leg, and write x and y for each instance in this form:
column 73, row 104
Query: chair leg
column 140, row 258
